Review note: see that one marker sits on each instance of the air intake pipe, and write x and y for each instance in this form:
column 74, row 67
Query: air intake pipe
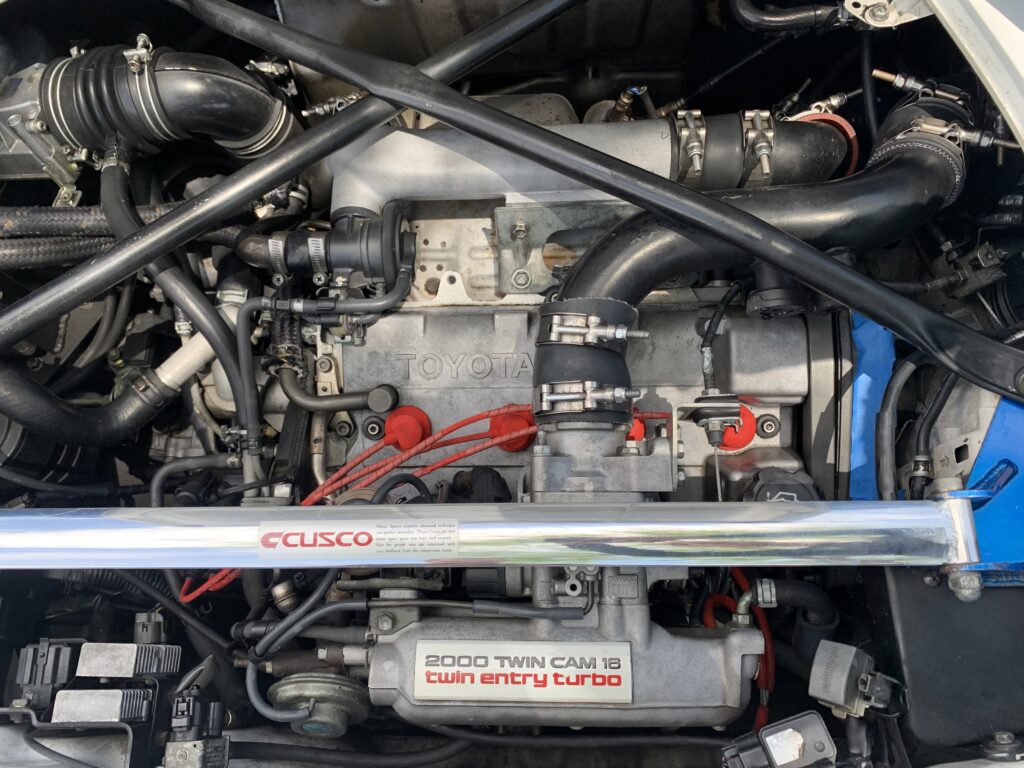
column 147, row 97
column 910, row 176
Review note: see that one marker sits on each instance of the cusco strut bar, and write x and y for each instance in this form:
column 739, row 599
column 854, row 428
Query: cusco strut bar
column 977, row 358
column 697, row 534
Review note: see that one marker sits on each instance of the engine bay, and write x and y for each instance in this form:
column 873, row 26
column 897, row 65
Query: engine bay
column 465, row 383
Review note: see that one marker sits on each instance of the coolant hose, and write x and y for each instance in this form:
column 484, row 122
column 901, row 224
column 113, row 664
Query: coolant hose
column 115, row 197
column 29, row 403
column 187, row 464
column 814, row 16
column 818, row 607
column 380, row 399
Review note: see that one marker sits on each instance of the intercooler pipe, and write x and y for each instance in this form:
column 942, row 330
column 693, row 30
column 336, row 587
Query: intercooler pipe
column 149, row 97
column 908, row 181
column 446, row 164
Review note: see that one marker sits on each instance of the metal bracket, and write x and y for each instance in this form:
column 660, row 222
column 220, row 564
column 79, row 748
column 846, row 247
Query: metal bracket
column 141, row 56
column 759, row 137
column 886, row 14
column 577, row 396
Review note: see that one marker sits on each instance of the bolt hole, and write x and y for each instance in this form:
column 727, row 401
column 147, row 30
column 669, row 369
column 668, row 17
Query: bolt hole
column 452, row 280
column 426, row 241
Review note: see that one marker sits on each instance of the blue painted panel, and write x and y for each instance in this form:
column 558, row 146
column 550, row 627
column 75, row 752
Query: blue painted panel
column 875, row 358
column 1000, row 521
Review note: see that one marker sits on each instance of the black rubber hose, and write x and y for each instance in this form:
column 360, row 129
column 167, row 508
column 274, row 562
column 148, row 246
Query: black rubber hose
column 234, row 194
column 289, row 753
column 404, row 478
column 85, row 221
column 39, row 252
column 380, row 399
column 981, row 360
column 813, row 16
column 868, row 86
column 116, row 202
column 95, row 348
column 29, row 403
column 88, row 99
column 885, row 425
column 271, row 642
column 173, row 607
column 926, row 425
column 178, row 466
column 818, row 607
column 580, row 741
column 786, row 658
column 924, row 428
column 16, row 478
column 871, row 208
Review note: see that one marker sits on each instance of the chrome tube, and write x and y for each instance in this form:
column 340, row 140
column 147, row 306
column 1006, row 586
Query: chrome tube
column 801, row 534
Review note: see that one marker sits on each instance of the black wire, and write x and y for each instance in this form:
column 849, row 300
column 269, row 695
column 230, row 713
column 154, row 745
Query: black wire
column 29, row 737
column 708, row 340
column 405, row 478
column 582, row 741
column 290, row 753
column 174, row 608
column 868, row 86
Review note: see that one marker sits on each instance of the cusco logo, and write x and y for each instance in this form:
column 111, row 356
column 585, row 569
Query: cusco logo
column 315, row 539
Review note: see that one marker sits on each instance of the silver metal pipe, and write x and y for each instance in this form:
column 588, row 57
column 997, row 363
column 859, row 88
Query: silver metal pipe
column 595, row 533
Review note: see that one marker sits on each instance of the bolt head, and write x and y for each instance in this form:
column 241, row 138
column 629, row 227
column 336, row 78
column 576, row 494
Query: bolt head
column 521, row 278
column 324, row 364
column 931, row 579
column 879, row 11
column 319, row 278
column 385, row 622
column 1003, row 737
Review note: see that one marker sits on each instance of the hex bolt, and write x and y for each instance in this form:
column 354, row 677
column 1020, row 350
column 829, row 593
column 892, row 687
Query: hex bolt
column 931, row 579
column 767, row 426
column 521, row 278
column 385, row 622
column 1003, row 737
column 324, row 364
column 879, row 12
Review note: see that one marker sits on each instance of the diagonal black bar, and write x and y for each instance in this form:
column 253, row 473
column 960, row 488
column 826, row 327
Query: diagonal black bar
column 98, row 274
column 979, row 359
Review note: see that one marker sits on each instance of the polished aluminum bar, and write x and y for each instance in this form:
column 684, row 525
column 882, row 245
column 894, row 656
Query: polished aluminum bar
column 806, row 533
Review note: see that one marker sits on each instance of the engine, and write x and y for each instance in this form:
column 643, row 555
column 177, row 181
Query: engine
column 632, row 399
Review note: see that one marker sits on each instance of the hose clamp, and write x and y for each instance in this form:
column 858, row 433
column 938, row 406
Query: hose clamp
column 276, row 248
column 586, row 331
column 316, row 245
column 766, row 597
column 693, row 134
column 759, row 138
column 141, row 56
column 583, row 396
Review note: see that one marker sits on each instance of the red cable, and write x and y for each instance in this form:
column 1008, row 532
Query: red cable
column 454, row 457
column 653, row 415
column 376, row 471
column 218, row 581
column 712, row 601
column 318, row 493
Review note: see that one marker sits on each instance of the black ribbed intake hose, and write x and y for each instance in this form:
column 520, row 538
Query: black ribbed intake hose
column 813, row 16
column 89, row 99
column 30, row 404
